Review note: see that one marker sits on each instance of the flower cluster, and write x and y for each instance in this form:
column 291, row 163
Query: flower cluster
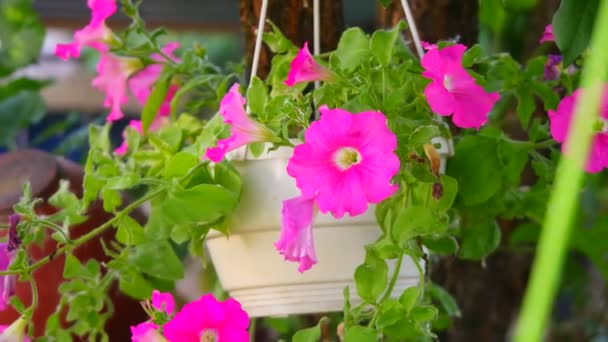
column 205, row 319
column 117, row 74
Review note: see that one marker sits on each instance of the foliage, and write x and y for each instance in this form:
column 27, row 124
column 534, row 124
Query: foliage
column 21, row 34
column 492, row 177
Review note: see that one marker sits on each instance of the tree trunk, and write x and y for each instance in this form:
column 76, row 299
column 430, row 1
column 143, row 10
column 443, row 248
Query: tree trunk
column 295, row 19
column 436, row 19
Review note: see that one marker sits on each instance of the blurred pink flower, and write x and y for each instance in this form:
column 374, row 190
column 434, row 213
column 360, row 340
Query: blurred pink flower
column 453, row 91
column 163, row 301
column 158, row 122
column 95, row 34
column 560, row 123
column 296, row 242
column 8, row 283
column 112, row 75
column 304, row 68
column 547, row 34
column 140, row 84
column 243, row 129
column 146, row 332
column 428, row 46
column 14, row 332
column 207, row 319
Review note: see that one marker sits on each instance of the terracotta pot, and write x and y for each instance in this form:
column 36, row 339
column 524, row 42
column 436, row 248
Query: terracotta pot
column 44, row 171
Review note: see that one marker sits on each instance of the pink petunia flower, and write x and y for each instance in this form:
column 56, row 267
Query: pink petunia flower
column 14, row 332
column 243, row 129
column 163, row 302
column 112, row 75
column 207, row 319
column 146, row 332
column 96, row 34
column 346, row 161
column 560, row 122
column 140, row 84
column 428, row 46
column 296, row 241
column 547, row 34
column 304, row 68
column 8, row 283
column 453, row 91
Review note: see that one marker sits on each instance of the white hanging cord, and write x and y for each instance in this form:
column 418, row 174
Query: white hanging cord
column 316, row 21
column 412, row 24
column 316, row 32
column 258, row 42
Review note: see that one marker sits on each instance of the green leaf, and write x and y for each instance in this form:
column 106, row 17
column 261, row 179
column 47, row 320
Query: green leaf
column 312, row 334
column 111, row 200
column 21, row 34
column 135, row 285
column 391, row 311
column 202, row 203
column 358, row 333
column 385, row 3
column 447, row 302
column 572, row 26
column 471, row 56
column 179, row 164
column 156, row 98
column 424, row 313
column 423, row 135
column 353, row 48
column 525, row 106
column 371, row 278
column 513, row 158
column 409, row 297
column 444, row 245
column 257, row 96
column 276, row 40
column 124, row 181
column 157, row 258
column 415, row 221
column 479, row 239
column 257, row 149
column 475, row 166
column 73, row 268
column 383, row 42
column 130, row 232
column 227, row 176
column 450, row 190
column 18, row 112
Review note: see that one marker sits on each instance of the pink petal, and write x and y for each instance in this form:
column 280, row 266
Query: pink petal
column 472, row 106
column 163, row 301
column 244, row 130
column 439, row 99
column 112, row 75
column 145, row 332
column 340, row 190
column 305, row 69
column 296, row 242
column 547, row 35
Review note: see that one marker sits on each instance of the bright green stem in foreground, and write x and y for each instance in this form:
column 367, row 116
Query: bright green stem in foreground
column 562, row 206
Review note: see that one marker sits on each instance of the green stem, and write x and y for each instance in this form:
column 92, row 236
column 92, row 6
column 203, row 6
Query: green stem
column 54, row 227
column 30, row 311
column 88, row 236
column 562, row 206
column 252, row 324
column 391, row 284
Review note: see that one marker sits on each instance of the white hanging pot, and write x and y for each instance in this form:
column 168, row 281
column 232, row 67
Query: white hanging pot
column 254, row 273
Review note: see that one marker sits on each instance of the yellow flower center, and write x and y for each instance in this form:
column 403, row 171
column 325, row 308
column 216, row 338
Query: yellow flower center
column 209, row 335
column 347, row 157
column 448, row 82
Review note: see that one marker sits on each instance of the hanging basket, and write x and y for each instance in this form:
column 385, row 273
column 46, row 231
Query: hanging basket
column 255, row 274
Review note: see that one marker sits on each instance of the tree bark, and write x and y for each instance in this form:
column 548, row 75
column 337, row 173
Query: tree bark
column 436, row 19
column 295, row 19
